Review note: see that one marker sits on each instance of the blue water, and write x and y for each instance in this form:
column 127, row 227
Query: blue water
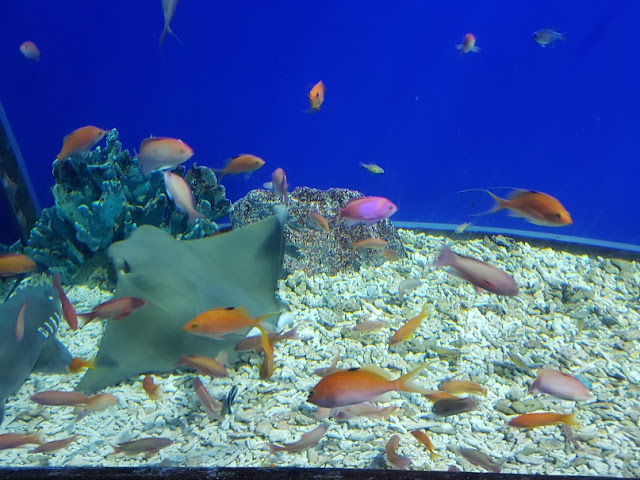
column 561, row 119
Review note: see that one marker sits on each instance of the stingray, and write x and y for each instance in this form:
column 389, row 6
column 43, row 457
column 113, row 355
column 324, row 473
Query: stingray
column 180, row 279
column 39, row 350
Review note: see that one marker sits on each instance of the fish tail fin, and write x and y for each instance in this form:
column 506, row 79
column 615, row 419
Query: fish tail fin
column 220, row 171
column 259, row 319
column 446, row 258
column 571, row 419
column 425, row 308
column 266, row 370
column 193, row 215
column 405, row 382
column 273, row 448
column 500, row 204
column 86, row 318
column 37, row 438
column 163, row 35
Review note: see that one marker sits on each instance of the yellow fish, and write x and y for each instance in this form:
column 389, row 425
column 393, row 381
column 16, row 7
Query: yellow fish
column 406, row 331
column 372, row 167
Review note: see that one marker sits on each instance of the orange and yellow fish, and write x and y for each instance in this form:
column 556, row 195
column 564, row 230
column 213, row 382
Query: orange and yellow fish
column 426, row 441
column 320, row 221
column 77, row 364
column 220, row 321
column 536, row 207
column 542, row 419
column 316, row 96
column 149, row 386
column 245, row 163
column 371, row 243
column 407, row 330
column 357, row 385
column 15, row 264
column 81, row 141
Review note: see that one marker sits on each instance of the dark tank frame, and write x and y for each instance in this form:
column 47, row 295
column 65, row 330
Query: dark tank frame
column 281, row 473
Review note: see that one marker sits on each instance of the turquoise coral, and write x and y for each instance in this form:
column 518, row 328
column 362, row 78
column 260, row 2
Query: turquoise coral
column 102, row 197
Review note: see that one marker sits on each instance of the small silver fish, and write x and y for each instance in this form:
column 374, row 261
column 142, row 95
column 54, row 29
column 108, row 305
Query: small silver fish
column 546, row 36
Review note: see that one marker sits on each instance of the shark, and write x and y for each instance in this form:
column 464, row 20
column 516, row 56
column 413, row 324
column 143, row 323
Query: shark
column 39, row 350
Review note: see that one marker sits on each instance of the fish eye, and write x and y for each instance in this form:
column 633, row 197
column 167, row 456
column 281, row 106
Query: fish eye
column 195, row 325
column 558, row 215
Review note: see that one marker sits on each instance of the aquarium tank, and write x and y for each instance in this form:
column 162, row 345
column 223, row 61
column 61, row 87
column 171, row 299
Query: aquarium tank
column 353, row 235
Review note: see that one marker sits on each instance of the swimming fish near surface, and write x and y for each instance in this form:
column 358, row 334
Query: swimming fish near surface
column 30, row 50
column 244, row 163
column 168, row 9
column 316, row 96
column 80, row 141
column 357, row 385
column 373, row 168
column 546, row 36
column 536, row 207
column 480, row 274
column 468, row 44
column 560, row 385
column 160, row 153
column 366, row 210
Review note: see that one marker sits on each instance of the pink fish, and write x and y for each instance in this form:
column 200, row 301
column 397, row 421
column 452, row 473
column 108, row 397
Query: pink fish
column 30, row 50
column 68, row 310
column 180, row 192
column 209, row 403
column 398, row 461
column 364, row 409
column 115, row 309
column 560, row 385
column 254, row 342
column 14, row 440
column 280, row 185
column 160, row 153
column 482, row 275
column 367, row 210
column 20, row 321
column 59, row 398
column 168, row 9
column 307, row 440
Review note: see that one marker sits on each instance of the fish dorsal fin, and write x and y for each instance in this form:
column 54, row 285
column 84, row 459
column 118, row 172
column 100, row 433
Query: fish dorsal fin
column 378, row 371
column 518, row 192
column 242, row 311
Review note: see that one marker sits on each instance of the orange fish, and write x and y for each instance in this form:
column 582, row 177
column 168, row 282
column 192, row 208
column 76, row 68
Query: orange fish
column 320, row 221
column 219, row 321
column 267, row 367
column 116, row 309
column 468, row 44
column 462, row 386
column 316, row 96
column 406, row 331
column 357, row 385
column 245, row 163
column 153, row 390
column 205, row 365
column 14, row 264
column 30, row 50
column 160, row 153
column 542, row 419
column 426, row 441
column 58, row 398
column 536, row 207
column 435, row 396
column 80, row 141
column 68, row 310
column 77, row 364
column 372, row 243
column 19, row 328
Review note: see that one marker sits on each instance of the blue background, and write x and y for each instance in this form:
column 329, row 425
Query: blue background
column 562, row 119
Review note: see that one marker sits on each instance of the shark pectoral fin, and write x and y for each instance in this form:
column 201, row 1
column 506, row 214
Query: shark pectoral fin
column 54, row 357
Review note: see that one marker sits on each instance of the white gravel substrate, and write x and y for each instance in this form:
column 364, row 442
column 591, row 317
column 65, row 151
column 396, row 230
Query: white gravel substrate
column 594, row 334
